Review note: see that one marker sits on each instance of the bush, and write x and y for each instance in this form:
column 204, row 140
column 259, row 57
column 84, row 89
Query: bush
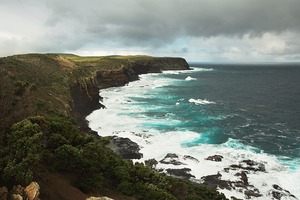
column 23, row 152
column 94, row 166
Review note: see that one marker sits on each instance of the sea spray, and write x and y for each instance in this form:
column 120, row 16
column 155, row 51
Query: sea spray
column 161, row 119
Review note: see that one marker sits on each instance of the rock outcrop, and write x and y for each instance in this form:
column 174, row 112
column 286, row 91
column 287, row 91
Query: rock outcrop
column 171, row 158
column 277, row 193
column 85, row 90
column 250, row 165
column 68, row 85
column 216, row 158
column 3, row 193
column 181, row 173
column 32, row 191
column 125, row 147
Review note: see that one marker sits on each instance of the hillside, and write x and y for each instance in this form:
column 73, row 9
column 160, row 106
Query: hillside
column 63, row 84
column 44, row 99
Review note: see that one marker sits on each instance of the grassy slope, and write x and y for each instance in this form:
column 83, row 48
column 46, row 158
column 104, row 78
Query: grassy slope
column 39, row 84
column 32, row 85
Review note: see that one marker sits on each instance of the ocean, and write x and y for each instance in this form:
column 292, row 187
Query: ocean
column 238, row 111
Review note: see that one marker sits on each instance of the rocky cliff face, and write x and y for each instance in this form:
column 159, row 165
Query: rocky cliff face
column 52, row 84
column 85, row 90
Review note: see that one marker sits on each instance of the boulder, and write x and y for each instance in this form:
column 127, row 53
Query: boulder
column 32, row 191
column 3, row 193
column 249, row 165
column 244, row 177
column 216, row 158
column 171, row 158
column 16, row 197
column 125, row 148
column 181, row 173
column 17, row 190
column 214, row 181
column 252, row 193
column 277, row 193
column 187, row 157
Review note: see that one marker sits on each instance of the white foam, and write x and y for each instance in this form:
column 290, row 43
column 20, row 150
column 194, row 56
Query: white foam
column 116, row 120
column 199, row 69
column 189, row 78
column 200, row 101
column 193, row 69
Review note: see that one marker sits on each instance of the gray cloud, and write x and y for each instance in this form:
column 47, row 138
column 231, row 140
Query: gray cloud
column 71, row 25
column 135, row 22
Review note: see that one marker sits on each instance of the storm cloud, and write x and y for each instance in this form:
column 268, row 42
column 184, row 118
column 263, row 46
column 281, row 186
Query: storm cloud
column 267, row 28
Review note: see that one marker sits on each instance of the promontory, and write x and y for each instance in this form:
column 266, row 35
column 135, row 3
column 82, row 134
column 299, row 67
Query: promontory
column 45, row 142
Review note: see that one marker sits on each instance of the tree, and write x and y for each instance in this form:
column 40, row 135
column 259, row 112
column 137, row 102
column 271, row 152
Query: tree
column 151, row 163
column 23, row 151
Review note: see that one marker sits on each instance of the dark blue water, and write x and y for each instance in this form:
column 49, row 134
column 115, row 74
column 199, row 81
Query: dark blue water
column 237, row 111
column 259, row 105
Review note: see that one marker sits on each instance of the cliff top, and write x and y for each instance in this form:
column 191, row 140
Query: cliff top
column 41, row 84
column 43, row 101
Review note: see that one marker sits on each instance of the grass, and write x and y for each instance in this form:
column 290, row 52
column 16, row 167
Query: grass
column 40, row 84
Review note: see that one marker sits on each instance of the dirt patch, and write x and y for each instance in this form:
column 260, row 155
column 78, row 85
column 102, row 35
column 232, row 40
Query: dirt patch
column 57, row 186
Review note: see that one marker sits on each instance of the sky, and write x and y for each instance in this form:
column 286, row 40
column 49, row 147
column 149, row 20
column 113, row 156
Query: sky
column 197, row 30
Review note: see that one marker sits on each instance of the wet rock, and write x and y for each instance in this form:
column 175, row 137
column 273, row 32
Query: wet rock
column 244, row 177
column 277, row 193
column 187, row 157
column 216, row 158
column 3, row 193
column 32, row 191
column 252, row 193
column 234, row 198
column 171, row 158
column 181, row 173
column 125, row 147
column 250, row 165
column 171, row 155
column 215, row 181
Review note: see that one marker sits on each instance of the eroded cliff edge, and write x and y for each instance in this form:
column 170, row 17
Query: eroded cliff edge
column 66, row 84
column 85, row 90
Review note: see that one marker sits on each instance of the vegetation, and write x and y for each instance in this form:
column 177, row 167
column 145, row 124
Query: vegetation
column 36, row 142
column 38, row 133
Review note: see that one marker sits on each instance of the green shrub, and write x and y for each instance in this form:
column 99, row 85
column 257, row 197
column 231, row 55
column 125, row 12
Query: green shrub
column 67, row 157
column 20, row 87
column 23, row 151
column 95, row 167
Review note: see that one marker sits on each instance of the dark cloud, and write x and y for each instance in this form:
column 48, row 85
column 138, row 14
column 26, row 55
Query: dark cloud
column 72, row 25
column 154, row 22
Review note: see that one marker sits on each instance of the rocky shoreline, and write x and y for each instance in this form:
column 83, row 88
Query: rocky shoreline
column 174, row 165
column 61, row 90
column 241, row 170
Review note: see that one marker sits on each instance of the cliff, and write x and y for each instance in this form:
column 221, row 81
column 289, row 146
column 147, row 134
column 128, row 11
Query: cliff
column 85, row 90
column 65, row 84
column 44, row 99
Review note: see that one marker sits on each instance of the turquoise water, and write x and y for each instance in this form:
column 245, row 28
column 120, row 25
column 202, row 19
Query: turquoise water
column 237, row 111
column 258, row 105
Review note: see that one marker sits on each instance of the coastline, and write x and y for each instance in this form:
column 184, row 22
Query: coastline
column 64, row 88
column 239, row 175
column 54, row 93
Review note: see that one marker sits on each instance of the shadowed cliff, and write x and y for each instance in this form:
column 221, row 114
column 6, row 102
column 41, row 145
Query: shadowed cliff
column 44, row 99
column 65, row 84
